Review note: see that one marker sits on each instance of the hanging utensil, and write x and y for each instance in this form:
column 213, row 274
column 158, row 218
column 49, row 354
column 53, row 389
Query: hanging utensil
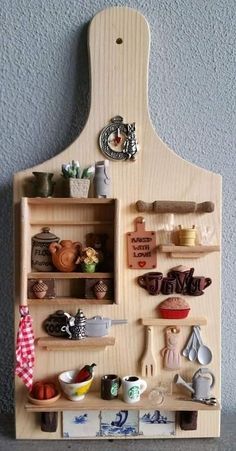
column 25, row 354
column 193, row 352
column 148, row 362
column 186, row 350
column 204, row 354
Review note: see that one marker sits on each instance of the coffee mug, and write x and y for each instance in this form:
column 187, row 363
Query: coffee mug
column 151, row 281
column 133, row 387
column 197, row 285
column 182, row 277
column 110, row 384
column 168, row 285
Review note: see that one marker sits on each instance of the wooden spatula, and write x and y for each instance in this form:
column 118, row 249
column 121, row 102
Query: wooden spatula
column 148, row 362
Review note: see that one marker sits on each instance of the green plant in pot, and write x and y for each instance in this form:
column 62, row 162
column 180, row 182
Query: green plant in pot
column 77, row 180
column 88, row 259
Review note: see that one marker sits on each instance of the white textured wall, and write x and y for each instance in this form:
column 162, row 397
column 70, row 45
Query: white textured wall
column 44, row 105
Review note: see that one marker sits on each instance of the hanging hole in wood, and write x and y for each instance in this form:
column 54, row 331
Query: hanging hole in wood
column 119, row 41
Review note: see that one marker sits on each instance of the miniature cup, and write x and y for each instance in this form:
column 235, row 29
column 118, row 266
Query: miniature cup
column 182, row 276
column 198, row 284
column 168, row 285
column 151, row 281
column 133, row 387
column 110, row 384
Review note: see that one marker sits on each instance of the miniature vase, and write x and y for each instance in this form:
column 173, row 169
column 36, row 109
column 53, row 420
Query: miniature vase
column 43, row 184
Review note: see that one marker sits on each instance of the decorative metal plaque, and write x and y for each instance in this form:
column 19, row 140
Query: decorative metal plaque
column 117, row 140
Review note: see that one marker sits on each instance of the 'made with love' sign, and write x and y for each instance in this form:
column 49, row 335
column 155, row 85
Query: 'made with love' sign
column 141, row 247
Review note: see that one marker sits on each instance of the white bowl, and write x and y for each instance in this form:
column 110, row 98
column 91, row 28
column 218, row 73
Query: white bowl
column 73, row 391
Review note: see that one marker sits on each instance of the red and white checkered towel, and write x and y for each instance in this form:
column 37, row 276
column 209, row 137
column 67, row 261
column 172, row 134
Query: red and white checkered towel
column 25, row 355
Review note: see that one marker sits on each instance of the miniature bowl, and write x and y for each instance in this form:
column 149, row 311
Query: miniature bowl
column 73, row 391
column 44, row 402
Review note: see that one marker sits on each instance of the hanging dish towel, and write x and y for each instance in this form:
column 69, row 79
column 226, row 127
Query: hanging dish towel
column 25, row 355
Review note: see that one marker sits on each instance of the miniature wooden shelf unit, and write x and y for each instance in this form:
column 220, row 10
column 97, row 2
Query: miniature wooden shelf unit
column 187, row 251
column 70, row 219
column 93, row 401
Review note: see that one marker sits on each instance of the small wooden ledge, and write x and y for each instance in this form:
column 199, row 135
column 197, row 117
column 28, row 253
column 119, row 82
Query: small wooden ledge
column 195, row 321
column 61, row 344
column 187, row 251
column 70, row 275
column 61, row 301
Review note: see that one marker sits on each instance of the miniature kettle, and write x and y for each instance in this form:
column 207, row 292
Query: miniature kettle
column 201, row 383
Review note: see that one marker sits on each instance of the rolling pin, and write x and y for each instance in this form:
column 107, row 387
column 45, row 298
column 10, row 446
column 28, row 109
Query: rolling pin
column 172, row 206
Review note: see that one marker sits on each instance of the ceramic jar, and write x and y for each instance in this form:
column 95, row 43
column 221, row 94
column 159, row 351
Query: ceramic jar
column 41, row 259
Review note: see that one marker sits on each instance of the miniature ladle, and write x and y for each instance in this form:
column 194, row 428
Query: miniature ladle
column 204, row 354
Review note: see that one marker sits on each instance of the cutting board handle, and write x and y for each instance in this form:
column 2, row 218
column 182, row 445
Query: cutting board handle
column 118, row 43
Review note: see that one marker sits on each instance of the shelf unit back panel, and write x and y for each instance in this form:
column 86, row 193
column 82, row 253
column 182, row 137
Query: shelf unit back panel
column 158, row 173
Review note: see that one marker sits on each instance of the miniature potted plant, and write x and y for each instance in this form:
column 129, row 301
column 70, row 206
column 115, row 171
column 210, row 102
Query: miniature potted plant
column 88, row 259
column 78, row 180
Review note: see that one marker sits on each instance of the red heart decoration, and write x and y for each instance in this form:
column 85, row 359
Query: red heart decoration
column 141, row 264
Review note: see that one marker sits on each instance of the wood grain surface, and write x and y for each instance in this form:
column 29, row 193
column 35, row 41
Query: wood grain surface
column 119, row 86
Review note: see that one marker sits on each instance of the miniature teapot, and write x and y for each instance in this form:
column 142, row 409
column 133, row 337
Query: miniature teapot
column 65, row 254
column 201, row 383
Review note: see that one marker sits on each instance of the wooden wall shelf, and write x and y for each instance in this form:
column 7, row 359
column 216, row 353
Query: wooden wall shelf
column 70, row 275
column 60, row 301
column 68, row 201
column 93, row 401
column 61, row 344
column 195, row 321
column 68, row 223
column 187, row 251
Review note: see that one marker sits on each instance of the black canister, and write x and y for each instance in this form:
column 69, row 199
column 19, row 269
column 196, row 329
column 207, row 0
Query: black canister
column 41, row 259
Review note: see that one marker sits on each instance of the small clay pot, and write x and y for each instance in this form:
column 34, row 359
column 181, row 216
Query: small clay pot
column 100, row 289
column 40, row 289
column 65, row 255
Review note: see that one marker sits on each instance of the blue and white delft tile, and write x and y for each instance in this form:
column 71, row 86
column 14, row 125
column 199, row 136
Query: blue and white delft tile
column 153, row 423
column 81, row 423
column 119, row 423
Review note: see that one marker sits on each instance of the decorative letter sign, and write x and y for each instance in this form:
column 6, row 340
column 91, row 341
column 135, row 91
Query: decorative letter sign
column 141, row 247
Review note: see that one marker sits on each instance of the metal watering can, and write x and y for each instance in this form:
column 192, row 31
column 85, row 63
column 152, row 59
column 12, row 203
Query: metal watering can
column 201, row 383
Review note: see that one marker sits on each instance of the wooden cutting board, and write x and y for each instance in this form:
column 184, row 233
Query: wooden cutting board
column 119, row 45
